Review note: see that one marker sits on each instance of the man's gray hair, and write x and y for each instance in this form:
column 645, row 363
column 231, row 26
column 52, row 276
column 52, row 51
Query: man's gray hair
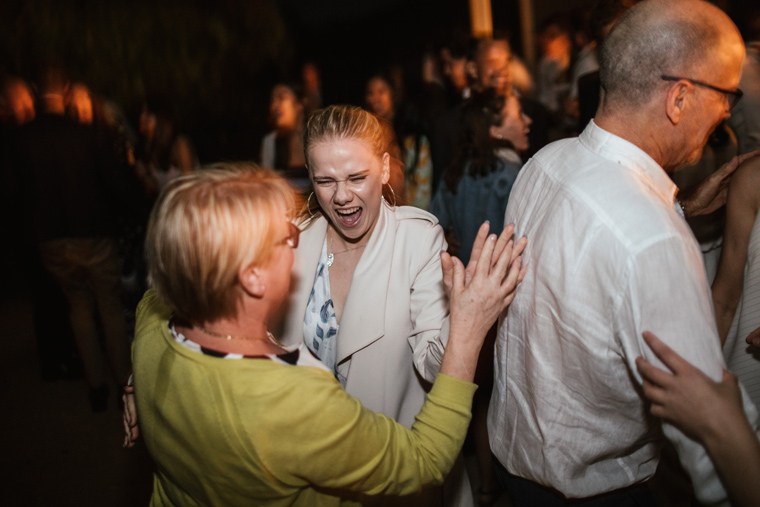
column 651, row 40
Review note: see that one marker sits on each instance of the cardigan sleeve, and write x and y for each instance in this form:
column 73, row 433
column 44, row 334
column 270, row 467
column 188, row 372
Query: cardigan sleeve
column 337, row 444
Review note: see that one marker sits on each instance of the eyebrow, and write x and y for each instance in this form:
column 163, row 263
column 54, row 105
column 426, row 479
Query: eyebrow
column 365, row 172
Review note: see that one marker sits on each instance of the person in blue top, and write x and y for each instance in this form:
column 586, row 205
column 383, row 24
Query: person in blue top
column 477, row 184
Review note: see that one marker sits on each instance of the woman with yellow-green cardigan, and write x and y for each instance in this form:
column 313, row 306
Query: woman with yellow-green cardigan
column 231, row 416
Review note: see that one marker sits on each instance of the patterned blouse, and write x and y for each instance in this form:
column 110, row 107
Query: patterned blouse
column 320, row 326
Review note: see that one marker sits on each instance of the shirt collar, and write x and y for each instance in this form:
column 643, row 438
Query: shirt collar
column 627, row 154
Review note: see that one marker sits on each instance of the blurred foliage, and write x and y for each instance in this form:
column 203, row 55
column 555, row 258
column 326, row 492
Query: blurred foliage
column 197, row 54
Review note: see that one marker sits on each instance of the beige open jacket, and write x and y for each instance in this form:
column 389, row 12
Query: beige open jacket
column 395, row 322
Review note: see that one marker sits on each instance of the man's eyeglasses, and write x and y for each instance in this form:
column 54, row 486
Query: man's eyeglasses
column 732, row 96
column 293, row 234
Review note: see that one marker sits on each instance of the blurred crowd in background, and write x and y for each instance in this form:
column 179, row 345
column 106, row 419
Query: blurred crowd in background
column 449, row 102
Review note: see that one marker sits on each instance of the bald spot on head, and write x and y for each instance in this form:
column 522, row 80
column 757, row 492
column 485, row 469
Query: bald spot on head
column 662, row 37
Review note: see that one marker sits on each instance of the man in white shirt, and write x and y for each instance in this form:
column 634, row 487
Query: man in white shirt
column 611, row 256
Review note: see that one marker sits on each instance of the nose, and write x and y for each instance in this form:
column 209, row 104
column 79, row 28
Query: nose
column 343, row 193
column 527, row 120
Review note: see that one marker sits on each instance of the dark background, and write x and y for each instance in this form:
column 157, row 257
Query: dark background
column 214, row 62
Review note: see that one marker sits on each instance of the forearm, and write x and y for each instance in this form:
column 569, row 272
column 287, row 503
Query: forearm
column 441, row 426
column 735, row 450
column 372, row 454
column 724, row 315
column 461, row 356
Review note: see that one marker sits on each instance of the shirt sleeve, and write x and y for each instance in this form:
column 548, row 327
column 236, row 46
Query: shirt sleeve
column 668, row 295
column 429, row 307
column 338, row 444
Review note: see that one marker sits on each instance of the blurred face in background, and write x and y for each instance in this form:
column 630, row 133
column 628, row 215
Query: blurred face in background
column 493, row 66
column 455, row 69
column 514, row 126
column 19, row 103
column 284, row 108
column 311, row 79
column 147, row 126
column 556, row 44
column 379, row 98
column 80, row 103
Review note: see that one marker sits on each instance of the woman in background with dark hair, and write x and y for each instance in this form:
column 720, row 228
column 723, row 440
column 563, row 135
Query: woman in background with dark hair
column 477, row 184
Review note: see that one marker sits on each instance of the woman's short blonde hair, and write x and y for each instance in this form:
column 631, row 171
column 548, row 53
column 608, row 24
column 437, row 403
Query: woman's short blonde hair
column 205, row 227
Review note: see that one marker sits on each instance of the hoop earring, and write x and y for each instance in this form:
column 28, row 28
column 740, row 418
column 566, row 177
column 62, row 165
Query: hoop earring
column 308, row 205
column 382, row 197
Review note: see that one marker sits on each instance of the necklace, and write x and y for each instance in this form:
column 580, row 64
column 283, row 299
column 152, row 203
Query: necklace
column 231, row 337
column 331, row 256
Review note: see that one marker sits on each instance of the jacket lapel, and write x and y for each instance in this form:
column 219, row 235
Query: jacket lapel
column 363, row 319
column 302, row 281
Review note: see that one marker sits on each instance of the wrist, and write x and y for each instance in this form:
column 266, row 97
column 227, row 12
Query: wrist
column 460, row 358
column 728, row 434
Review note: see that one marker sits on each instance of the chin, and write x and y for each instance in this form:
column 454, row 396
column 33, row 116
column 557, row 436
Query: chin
column 695, row 157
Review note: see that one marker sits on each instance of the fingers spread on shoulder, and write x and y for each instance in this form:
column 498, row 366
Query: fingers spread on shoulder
column 486, row 256
column 477, row 248
column 664, row 353
column 459, row 273
column 504, row 241
column 501, row 259
column 523, row 272
column 480, row 239
column 447, row 267
column 654, row 393
column 519, row 247
column 652, row 374
column 509, row 284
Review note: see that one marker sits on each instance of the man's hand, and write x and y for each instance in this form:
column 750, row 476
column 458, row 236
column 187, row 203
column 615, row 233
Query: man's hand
column 712, row 193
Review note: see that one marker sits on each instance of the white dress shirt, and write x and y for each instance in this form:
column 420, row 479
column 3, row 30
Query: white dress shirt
column 609, row 257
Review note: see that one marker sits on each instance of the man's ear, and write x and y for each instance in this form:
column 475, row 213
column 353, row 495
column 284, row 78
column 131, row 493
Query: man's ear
column 676, row 101
column 252, row 281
